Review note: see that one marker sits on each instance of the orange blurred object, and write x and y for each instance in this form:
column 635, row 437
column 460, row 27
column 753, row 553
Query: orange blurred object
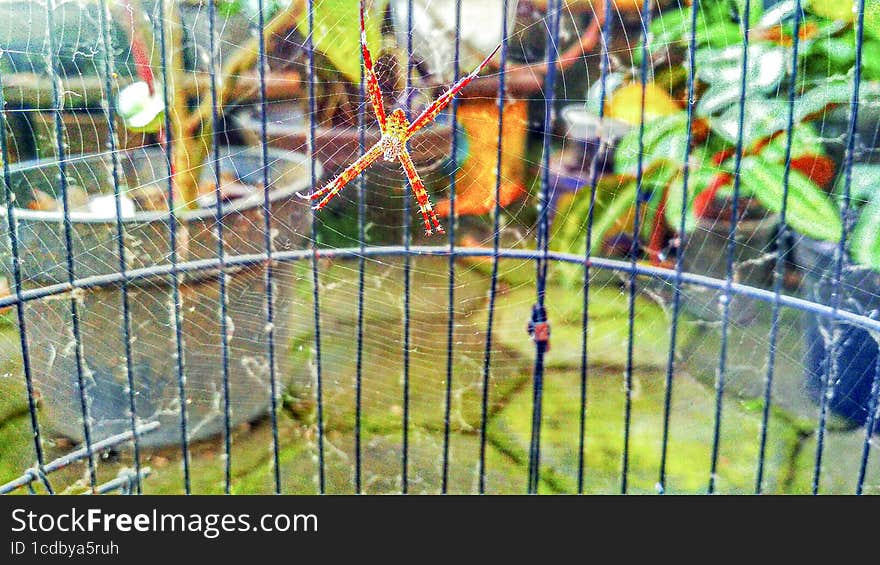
column 777, row 34
column 4, row 292
column 705, row 198
column 476, row 176
column 819, row 168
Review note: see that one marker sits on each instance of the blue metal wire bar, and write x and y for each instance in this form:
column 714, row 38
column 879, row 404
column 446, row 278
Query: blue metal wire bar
column 172, row 244
column 778, row 270
column 450, row 318
column 679, row 260
column 496, row 245
column 635, row 250
column 78, row 455
column 539, row 314
column 110, row 112
column 310, row 48
column 58, row 103
column 834, row 349
column 213, row 66
column 16, row 294
column 362, row 267
column 614, row 265
column 123, row 483
column 731, row 249
column 604, row 65
column 267, row 242
column 407, row 263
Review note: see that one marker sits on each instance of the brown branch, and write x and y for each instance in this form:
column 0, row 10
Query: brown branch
column 196, row 128
column 29, row 90
column 185, row 175
column 528, row 79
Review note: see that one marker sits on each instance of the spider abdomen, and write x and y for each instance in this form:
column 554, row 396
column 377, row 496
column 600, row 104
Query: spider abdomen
column 394, row 136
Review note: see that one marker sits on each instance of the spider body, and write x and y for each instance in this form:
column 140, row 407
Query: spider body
column 396, row 131
column 394, row 137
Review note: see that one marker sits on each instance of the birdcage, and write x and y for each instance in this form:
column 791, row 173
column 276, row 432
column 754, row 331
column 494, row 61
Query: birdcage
column 677, row 196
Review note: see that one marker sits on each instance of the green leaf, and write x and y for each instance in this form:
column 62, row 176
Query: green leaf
column 864, row 185
column 872, row 19
column 667, row 29
column 337, row 32
column 765, row 66
column 804, row 141
column 656, row 178
column 720, row 34
column 663, row 139
column 865, row 243
column 698, row 180
column 839, row 51
column 654, row 184
column 618, row 206
column 762, row 117
column 756, row 9
column 871, row 64
column 835, row 90
column 717, row 97
column 831, row 9
column 569, row 222
column 568, row 232
column 810, row 210
column 671, row 28
column 228, row 8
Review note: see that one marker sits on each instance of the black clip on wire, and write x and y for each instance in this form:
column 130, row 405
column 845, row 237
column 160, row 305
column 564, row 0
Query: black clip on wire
column 539, row 327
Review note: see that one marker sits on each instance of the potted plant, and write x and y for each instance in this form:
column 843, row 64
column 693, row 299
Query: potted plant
column 142, row 210
column 855, row 360
column 827, row 53
column 715, row 137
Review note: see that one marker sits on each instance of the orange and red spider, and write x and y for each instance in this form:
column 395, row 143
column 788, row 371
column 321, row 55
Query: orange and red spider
column 396, row 131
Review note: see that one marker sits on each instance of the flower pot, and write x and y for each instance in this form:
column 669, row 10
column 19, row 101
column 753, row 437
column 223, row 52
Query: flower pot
column 85, row 132
column 151, row 299
column 706, row 252
column 856, row 361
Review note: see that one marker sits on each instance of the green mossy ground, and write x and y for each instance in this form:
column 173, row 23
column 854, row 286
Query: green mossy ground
column 791, row 445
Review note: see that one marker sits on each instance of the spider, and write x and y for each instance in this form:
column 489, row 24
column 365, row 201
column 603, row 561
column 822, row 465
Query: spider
column 396, row 131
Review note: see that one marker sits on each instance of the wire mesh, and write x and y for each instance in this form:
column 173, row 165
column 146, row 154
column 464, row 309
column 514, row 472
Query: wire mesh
column 275, row 282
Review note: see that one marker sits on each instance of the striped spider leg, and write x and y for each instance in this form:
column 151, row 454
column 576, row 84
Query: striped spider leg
column 421, row 194
column 426, row 117
column 432, row 111
column 333, row 187
column 396, row 131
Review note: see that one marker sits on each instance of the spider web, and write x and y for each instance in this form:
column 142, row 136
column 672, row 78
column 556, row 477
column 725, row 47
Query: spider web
column 365, row 326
